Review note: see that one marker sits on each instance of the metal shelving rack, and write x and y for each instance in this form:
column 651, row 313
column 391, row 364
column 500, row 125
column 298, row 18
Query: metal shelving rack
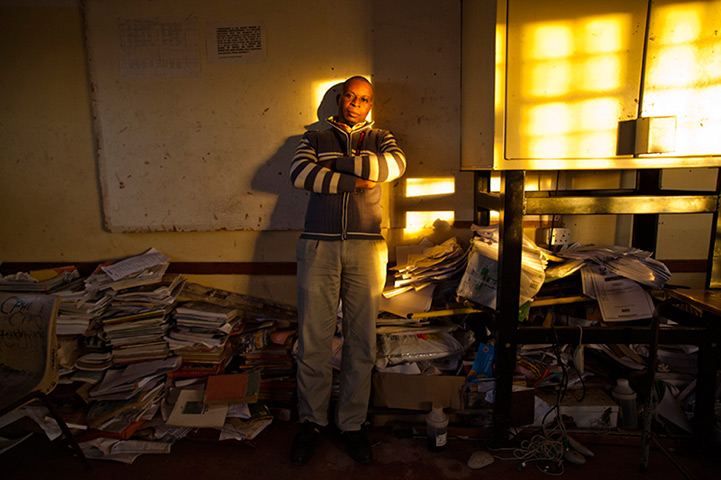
column 646, row 201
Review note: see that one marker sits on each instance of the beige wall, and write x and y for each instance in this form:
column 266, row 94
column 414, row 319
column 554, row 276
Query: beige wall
column 49, row 190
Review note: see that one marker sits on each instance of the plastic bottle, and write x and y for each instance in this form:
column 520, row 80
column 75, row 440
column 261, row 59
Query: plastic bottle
column 437, row 429
column 626, row 399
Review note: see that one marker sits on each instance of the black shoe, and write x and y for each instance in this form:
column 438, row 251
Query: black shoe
column 358, row 446
column 304, row 443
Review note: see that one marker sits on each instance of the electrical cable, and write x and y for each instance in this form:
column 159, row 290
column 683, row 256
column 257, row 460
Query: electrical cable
column 575, row 367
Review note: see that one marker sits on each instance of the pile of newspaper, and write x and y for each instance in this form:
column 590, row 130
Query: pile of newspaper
column 141, row 297
column 201, row 332
column 418, row 270
column 628, row 262
column 614, row 275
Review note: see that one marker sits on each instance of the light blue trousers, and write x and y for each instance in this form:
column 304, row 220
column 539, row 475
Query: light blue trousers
column 350, row 273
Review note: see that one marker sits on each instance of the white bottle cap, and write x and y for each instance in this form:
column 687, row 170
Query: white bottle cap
column 436, row 414
column 623, row 390
column 622, row 386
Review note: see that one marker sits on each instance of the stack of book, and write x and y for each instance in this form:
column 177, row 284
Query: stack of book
column 139, row 298
column 426, row 265
column 139, row 340
column 145, row 269
column 45, row 280
column 127, row 396
column 164, row 291
column 273, row 358
column 254, row 335
column 78, row 309
column 421, row 271
column 136, row 336
column 201, row 331
column 275, row 363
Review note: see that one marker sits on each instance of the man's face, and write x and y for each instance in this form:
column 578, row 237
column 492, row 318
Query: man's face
column 355, row 102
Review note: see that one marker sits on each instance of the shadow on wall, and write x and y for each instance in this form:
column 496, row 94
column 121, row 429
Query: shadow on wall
column 274, row 177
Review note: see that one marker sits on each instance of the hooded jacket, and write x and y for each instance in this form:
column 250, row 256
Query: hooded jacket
column 336, row 209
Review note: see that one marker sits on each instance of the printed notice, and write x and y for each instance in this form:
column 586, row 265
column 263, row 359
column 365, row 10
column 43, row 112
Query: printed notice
column 620, row 299
column 236, row 42
column 155, row 47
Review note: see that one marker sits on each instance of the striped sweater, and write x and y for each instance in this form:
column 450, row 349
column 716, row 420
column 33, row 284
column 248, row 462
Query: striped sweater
column 336, row 209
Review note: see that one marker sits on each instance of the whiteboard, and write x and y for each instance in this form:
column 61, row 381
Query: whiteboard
column 198, row 107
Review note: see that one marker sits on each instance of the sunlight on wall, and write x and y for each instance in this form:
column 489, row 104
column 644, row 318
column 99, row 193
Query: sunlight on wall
column 535, row 181
column 578, row 76
column 684, row 74
column 565, row 68
column 603, row 35
column 417, row 221
column 550, row 41
column 602, row 73
column 420, row 187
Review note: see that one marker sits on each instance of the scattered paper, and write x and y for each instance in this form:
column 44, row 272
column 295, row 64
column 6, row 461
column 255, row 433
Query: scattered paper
column 124, row 451
column 133, row 265
column 191, row 411
column 411, row 301
column 620, row 299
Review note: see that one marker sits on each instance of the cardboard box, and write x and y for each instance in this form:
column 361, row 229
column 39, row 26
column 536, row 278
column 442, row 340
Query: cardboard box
column 522, row 408
column 417, row 392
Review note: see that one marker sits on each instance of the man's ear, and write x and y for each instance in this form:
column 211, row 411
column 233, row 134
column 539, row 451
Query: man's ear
column 337, row 99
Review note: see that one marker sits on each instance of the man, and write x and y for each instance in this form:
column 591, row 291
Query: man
column 342, row 260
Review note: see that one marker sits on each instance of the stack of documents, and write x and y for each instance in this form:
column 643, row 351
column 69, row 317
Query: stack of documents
column 203, row 324
column 619, row 298
column 45, row 280
column 201, row 331
column 78, row 308
column 144, row 269
column 119, row 322
column 627, row 262
column 136, row 335
column 432, row 263
column 614, row 275
column 139, row 297
column 94, row 361
column 419, row 268
column 128, row 394
column 163, row 291
column 480, row 280
column 278, row 383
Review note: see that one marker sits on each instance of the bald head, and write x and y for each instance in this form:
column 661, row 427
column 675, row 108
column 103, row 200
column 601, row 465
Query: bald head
column 356, row 100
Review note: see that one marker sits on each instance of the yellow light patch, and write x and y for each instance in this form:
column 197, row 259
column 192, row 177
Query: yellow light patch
column 550, row 41
column 421, row 187
column 417, row 221
column 603, row 34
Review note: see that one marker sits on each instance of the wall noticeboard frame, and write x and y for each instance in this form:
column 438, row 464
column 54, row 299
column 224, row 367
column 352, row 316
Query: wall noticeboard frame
column 184, row 140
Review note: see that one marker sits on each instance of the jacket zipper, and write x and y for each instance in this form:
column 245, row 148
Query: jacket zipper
column 346, row 195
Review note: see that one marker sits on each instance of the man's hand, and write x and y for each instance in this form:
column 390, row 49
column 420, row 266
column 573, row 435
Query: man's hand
column 361, row 183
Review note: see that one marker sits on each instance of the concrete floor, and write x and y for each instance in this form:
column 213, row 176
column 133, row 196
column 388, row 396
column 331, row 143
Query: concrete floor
column 267, row 457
